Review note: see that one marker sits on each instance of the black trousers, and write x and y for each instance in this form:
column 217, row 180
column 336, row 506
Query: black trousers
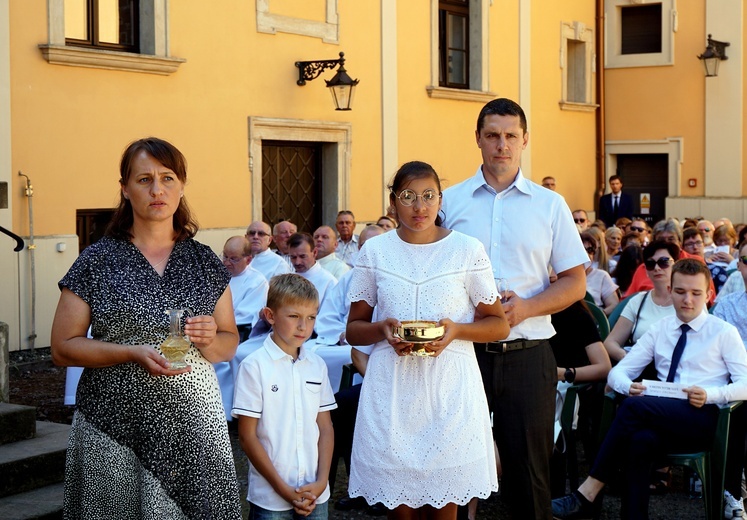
column 644, row 430
column 520, row 387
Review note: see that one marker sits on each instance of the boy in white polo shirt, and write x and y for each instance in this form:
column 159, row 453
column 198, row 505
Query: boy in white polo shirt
column 282, row 401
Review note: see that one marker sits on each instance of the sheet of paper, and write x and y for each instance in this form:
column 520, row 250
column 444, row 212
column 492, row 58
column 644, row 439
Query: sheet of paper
column 663, row 389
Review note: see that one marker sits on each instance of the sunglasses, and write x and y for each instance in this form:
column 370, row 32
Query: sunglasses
column 706, row 229
column 638, row 229
column 743, row 259
column 579, row 220
column 261, row 234
column 591, row 249
column 662, row 262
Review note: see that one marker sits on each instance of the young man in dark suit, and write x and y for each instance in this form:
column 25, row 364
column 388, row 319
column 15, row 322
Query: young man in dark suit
column 615, row 205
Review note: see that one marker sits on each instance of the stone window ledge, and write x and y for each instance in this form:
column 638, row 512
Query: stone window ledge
column 111, row 60
column 578, row 107
column 459, row 94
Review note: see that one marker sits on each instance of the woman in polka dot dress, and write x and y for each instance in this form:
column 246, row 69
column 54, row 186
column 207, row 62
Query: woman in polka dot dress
column 147, row 441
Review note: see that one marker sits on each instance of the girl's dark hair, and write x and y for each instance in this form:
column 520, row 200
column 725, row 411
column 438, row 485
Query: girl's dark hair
column 407, row 173
column 185, row 226
column 630, row 258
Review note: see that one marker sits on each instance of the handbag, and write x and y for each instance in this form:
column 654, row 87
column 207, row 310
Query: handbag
column 630, row 342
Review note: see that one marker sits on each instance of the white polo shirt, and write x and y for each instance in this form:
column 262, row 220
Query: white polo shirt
column 525, row 229
column 286, row 397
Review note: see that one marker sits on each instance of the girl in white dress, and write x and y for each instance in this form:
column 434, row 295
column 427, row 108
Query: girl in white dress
column 423, row 442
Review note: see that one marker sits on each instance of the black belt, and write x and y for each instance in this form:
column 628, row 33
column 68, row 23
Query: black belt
column 501, row 347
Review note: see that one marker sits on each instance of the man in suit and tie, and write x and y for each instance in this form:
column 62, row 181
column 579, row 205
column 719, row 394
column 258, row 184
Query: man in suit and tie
column 616, row 204
column 693, row 349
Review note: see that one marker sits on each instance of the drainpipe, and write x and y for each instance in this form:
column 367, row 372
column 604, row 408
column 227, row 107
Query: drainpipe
column 29, row 192
column 601, row 177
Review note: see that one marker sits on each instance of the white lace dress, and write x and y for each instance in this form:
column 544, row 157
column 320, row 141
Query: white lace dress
column 422, row 434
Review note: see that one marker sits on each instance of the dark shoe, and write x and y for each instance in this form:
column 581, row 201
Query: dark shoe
column 348, row 504
column 572, row 507
column 378, row 509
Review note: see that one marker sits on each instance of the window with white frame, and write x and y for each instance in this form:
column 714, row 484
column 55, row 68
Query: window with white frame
column 640, row 33
column 130, row 35
column 577, row 65
column 459, row 50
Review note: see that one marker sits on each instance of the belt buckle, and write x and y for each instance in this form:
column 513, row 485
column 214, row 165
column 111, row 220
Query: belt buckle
column 496, row 347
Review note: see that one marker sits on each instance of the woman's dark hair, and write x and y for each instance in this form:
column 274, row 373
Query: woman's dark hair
column 407, row 173
column 185, row 226
column 630, row 258
column 651, row 249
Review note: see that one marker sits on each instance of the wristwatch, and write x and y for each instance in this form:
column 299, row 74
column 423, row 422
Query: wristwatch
column 570, row 375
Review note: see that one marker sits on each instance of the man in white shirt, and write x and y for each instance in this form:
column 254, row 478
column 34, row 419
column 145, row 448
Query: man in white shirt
column 693, row 349
column 248, row 286
column 264, row 259
column 325, row 240
column 302, row 254
column 249, row 296
column 525, row 229
column 281, row 232
column 347, row 243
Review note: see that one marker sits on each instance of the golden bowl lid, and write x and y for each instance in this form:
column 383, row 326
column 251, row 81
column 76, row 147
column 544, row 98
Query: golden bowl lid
column 420, row 331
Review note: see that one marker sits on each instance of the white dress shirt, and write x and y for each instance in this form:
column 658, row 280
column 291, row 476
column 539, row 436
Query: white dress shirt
column 714, row 353
column 347, row 251
column 270, row 264
column 334, row 265
column 332, row 319
column 525, row 228
column 322, row 280
column 249, row 295
column 286, row 397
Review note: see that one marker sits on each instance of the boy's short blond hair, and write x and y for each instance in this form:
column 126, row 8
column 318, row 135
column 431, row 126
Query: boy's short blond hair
column 290, row 288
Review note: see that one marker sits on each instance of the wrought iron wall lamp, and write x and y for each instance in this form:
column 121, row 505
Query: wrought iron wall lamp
column 714, row 53
column 341, row 86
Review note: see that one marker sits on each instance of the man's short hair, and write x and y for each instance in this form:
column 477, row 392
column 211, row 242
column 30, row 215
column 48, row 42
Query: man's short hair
column 345, row 212
column 580, row 211
column 692, row 267
column 614, row 178
column 691, row 232
column 287, row 289
column 501, row 107
column 246, row 245
column 668, row 225
column 296, row 239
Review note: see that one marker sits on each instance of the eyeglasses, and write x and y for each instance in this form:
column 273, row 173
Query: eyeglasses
column 743, row 259
column 662, row 262
column 638, row 229
column 706, row 229
column 261, row 234
column 232, row 259
column 591, row 249
column 408, row 197
column 579, row 220
column 694, row 243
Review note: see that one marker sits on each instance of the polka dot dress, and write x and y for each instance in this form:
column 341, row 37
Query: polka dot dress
column 143, row 446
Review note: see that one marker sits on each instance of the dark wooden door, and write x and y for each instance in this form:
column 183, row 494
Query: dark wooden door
column 645, row 173
column 292, row 183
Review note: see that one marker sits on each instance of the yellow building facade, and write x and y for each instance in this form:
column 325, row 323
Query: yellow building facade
column 220, row 83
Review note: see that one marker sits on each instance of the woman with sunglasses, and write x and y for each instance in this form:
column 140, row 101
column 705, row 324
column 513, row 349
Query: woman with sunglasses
column 646, row 307
column 599, row 283
column 422, row 441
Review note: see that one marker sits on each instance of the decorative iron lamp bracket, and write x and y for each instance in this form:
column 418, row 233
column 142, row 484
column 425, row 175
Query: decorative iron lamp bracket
column 308, row 70
column 715, row 53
